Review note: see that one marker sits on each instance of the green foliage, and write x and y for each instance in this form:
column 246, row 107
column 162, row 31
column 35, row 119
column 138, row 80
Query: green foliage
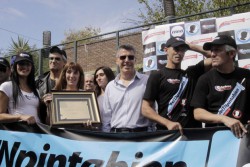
column 22, row 45
column 154, row 11
column 228, row 3
column 86, row 32
column 189, row 7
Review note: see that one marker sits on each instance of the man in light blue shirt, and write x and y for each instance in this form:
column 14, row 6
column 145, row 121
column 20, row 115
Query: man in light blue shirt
column 123, row 96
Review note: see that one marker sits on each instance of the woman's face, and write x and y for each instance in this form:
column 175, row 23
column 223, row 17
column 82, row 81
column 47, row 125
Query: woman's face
column 101, row 79
column 24, row 68
column 72, row 77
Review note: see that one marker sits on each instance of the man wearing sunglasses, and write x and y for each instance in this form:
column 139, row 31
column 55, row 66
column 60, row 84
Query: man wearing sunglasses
column 46, row 82
column 123, row 96
column 4, row 70
column 172, row 88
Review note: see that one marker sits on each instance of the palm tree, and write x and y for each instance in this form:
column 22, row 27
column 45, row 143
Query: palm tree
column 22, row 45
column 18, row 46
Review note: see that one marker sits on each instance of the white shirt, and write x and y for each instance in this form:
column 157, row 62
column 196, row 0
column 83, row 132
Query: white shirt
column 27, row 104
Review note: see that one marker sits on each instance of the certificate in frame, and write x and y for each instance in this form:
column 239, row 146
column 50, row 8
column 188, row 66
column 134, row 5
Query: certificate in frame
column 74, row 108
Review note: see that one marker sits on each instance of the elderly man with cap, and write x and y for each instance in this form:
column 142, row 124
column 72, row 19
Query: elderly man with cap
column 172, row 88
column 222, row 94
column 19, row 96
column 46, row 82
column 4, row 70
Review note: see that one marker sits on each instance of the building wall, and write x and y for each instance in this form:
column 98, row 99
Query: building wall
column 102, row 52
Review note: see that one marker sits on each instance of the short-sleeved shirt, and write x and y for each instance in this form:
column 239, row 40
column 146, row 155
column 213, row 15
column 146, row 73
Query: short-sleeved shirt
column 214, row 88
column 27, row 103
column 164, row 84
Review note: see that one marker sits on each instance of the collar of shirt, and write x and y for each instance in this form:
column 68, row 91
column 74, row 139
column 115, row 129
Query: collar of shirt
column 137, row 76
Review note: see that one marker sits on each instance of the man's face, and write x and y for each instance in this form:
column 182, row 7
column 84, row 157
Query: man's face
column 4, row 73
column 219, row 56
column 56, row 62
column 126, row 60
column 89, row 83
column 176, row 54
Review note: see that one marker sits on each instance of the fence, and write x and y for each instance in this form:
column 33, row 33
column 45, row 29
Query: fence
column 100, row 50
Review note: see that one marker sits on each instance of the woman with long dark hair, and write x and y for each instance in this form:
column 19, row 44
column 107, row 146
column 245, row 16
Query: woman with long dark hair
column 102, row 76
column 19, row 99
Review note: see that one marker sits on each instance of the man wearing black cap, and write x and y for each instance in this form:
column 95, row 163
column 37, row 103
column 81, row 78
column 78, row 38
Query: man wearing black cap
column 4, row 70
column 46, row 82
column 222, row 94
column 172, row 88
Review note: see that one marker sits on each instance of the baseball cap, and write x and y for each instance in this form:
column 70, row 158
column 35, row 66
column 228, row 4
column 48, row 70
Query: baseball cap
column 55, row 49
column 220, row 40
column 64, row 54
column 12, row 59
column 24, row 56
column 176, row 41
column 4, row 62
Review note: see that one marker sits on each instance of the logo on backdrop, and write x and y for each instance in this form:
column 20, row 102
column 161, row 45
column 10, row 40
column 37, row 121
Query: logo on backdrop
column 149, row 49
column 243, row 36
column 177, row 31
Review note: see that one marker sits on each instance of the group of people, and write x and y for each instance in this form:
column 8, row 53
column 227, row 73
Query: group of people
column 214, row 91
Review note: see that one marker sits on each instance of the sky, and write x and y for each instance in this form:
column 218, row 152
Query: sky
column 30, row 18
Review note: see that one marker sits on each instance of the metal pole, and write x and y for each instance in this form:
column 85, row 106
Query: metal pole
column 75, row 51
column 40, row 64
column 117, row 46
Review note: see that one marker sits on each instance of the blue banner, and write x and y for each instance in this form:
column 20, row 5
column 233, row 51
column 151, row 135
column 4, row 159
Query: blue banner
column 23, row 145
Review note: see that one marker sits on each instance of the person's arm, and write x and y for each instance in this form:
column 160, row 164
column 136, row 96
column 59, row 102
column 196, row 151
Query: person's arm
column 198, row 48
column 235, row 125
column 207, row 54
column 6, row 118
column 150, row 113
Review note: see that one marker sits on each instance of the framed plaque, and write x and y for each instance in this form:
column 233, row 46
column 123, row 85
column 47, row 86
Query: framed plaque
column 74, row 108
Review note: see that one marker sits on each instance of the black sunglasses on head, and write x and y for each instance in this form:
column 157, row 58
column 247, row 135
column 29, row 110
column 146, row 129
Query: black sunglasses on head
column 130, row 57
column 24, row 63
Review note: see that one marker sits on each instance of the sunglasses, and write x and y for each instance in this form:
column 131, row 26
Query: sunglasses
column 3, row 69
column 130, row 57
column 55, row 58
column 24, row 63
column 180, row 49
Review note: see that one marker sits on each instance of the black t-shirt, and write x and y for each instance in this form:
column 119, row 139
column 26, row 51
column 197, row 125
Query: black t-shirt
column 162, row 86
column 214, row 88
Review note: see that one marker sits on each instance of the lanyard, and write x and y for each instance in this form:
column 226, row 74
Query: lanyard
column 225, row 108
column 176, row 98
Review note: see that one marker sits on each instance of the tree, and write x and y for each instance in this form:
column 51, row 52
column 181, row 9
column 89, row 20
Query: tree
column 86, row 32
column 22, row 45
column 154, row 11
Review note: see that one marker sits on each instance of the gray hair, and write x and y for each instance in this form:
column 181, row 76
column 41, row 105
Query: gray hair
column 127, row 47
column 229, row 48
